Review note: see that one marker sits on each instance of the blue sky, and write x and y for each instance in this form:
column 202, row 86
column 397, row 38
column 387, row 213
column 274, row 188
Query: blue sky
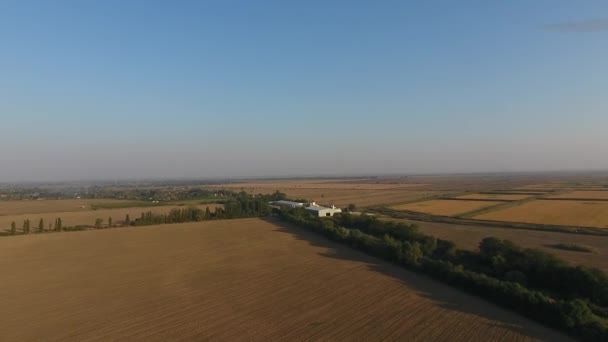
column 138, row 89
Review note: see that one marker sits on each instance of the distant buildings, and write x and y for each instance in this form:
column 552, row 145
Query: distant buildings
column 312, row 208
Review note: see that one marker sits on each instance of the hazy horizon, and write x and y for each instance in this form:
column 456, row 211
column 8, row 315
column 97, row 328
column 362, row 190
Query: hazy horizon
column 108, row 90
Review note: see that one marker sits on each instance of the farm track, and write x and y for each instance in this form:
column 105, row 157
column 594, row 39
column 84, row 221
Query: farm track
column 244, row 279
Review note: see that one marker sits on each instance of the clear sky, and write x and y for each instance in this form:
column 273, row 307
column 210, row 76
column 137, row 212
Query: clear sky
column 139, row 89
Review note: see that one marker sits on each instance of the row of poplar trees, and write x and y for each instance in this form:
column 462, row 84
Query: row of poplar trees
column 26, row 228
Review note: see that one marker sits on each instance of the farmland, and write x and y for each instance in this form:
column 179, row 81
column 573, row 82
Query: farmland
column 572, row 213
column 244, row 279
column 50, row 206
column 446, row 207
column 86, row 217
column 362, row 193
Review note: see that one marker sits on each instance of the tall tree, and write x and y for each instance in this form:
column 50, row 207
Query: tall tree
column 13, row 228
column 128, row 220
column 41, row 225
column 110, row 221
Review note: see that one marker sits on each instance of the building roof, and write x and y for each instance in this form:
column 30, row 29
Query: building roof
column 288, row 203
column 319, row 208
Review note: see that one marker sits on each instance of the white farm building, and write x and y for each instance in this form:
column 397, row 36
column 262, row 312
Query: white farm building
column 321, row 211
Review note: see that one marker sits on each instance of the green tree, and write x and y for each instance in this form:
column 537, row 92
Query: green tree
column 26, row 227
column 13, row 228
column 411, row 253
column 41, row 225
column 352, row 207
column 127, row 220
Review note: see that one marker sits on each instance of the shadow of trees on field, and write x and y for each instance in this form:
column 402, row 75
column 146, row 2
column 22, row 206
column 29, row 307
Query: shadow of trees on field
column 445, row 296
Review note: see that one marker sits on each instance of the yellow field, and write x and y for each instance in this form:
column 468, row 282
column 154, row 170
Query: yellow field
column 506, row 197
column 583, row 195
column 248, row 280
column 571, row 213
column 50, row 206
column 87, row 217
column 446, row 207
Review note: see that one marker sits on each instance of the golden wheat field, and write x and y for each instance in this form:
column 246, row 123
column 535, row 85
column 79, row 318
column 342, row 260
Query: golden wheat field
column 583, row 195
column 233, row 280
column 502, row 197
column 569, row 213
column 468, row 237
column 50, row 206
column 446, row 207
column 87, row 217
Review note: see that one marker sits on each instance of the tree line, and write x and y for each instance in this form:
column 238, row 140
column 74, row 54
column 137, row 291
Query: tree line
column 26, row 227
column 242, row 205
column 528, row 281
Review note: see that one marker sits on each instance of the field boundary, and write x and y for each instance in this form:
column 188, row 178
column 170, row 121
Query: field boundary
column 574, row 199
column 477, row 199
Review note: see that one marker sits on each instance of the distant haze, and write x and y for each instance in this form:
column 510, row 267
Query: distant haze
column 191, row 89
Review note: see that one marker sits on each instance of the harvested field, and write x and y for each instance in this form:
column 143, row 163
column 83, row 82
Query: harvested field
column 502, row 197
column 446, row 207
column 51, row 206
column 569, row 213
column 229, row 280
column 583, row 195
column 88, row 217
column 468, row 237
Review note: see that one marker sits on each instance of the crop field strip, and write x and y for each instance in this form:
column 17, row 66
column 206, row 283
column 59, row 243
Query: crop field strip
column 557, row 212
column 494, row 197
column 50, row 206
column 580, row 195
column 475, row 199
column 243, row 279
column 445, row 207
